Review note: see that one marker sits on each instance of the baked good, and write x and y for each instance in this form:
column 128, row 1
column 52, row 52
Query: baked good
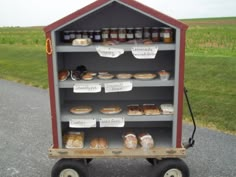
column 167, row 108
column 113, row 109
column 130, row 140
column 82, row 109
column 105, row 76
column 146, row 141
column 151, row 109
column 144, row 76
column 63, row 75
column 134, row 110
column 124, row 76
column 147, row 42
column 87, row 77
column 74, row 140
column 164, row 75
column 82, row 42
column 99, row 143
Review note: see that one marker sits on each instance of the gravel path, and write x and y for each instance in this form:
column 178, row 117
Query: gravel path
column 25, row 136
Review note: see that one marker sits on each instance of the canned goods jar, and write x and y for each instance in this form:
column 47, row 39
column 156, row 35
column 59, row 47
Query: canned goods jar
column 130, row 34
column 122, row 34
column 138, row 33
column 72, row 35
column 155, row 34
column 114, row 34
column 105, row 34
column 167, row 35
column 78, row 34
column 97, row 36
column 91, row 34
column 147, row 33
column 66, row 36
column 85, row 34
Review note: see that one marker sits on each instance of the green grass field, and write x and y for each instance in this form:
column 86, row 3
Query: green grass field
column 210, row 70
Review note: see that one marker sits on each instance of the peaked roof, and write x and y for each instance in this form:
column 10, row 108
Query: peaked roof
column 129, row 3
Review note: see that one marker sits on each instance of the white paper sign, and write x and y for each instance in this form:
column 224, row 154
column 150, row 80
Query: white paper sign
column 112, row 122
column 109, row 52
column 144, row 52
column 87, row 88
column 118, row 87
column 82, row 123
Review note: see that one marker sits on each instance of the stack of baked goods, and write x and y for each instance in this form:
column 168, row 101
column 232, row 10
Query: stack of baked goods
column 82, row 42
column 145, row 109
column 63, row 75
column 130, row 140
column 151, row 109
column 135, row 110
column 146, row 141
column 74, row 140
column 112, row 109
column 167, row 108
column 81, row 109
column 98, row 143
column 164, row 75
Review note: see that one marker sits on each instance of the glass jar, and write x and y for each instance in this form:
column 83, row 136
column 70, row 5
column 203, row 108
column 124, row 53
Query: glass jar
column 78, row 34
column 105, row 34
column 91, row 35
column 147, row 33
column 130, row 34
column 155, row 34
column 138, row 33
column 66, row 36
column 167, row 35
column 97, row 36
column 122, row 34
column 114, row 34
column 72, row 35
column 85, row 34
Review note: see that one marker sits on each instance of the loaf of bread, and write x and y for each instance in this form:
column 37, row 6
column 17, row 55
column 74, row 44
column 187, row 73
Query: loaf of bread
column 98, row 143
column 74, row 140
column 134, row 110
column 130, row 140
column 146, row 141
column 151, row 109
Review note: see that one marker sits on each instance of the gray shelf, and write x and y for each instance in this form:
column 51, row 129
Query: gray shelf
column 66, row 115
column 126, row 47
column 136, row 83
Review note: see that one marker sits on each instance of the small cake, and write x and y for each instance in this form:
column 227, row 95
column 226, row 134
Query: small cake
column 164, row 75
column 63, row 75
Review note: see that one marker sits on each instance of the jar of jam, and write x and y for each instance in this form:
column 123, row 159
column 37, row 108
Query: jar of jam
column 138, row 33
column 114, row 34
column 85, row 34
column 91, row 34
column 105, row 34
column 155, row 34
column 167, row 35
column 97, row 36
column 147, row 33
column 130, row 34
column 122, row 34
column 78, row 34
column 72, row 35
column 66, row 36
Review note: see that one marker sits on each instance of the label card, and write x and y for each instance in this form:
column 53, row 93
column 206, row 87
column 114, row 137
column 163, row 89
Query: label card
column 118, row 87
column 82, row 123
column 109, row 52
column 87, row 88
column 144, row 52
column 112, row 122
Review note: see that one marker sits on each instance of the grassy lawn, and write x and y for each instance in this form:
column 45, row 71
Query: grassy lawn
column 210, row 71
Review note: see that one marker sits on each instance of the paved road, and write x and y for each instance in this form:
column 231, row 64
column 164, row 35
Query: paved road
column 25, row 136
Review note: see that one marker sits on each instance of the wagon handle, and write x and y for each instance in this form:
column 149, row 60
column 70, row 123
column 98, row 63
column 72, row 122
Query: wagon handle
column 48, row 46
column 191, row 140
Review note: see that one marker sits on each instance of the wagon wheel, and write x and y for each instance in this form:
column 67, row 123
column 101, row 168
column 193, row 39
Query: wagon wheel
column 69, row 168
column 152, row 161
column 170, row 168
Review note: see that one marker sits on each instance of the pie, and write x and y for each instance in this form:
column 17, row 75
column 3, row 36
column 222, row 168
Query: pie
column 124, row 76
column 81, row 109
column 151, row 109
column 111, row 110
column 144, row 76
column 134, row 110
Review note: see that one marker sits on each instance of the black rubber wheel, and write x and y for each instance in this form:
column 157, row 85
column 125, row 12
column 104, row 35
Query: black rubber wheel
column 170, row 168
column 88, row 160
column 152, row 161
column 69, row 168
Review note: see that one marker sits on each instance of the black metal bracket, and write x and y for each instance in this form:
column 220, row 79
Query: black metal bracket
column 191, row 140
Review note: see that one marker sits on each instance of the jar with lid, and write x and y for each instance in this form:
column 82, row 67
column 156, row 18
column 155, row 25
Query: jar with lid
column 105, row 34
column 85, row 34
column 138, row 33
column 130, row 34
column 155, row 34
column 114, row 34
column 97, row 36
column 78, row 34
column 122, row 34
column 167, row 35
column 147, row 33
column 66, row 36
column 72, row 35
column 91, row 35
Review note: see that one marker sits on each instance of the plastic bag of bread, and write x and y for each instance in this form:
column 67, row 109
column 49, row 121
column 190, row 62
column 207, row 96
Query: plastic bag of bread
column 130, row 140
column 146, row 141
column 74, row 140
column 98, row 143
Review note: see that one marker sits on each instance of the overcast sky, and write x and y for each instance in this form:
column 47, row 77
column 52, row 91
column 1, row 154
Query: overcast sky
column 44, row 12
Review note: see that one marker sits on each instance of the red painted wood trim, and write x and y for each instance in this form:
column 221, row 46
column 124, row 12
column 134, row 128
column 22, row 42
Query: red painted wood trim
column 181, row 90
column 155, row 13
column 74, row 15
column 52, row 97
